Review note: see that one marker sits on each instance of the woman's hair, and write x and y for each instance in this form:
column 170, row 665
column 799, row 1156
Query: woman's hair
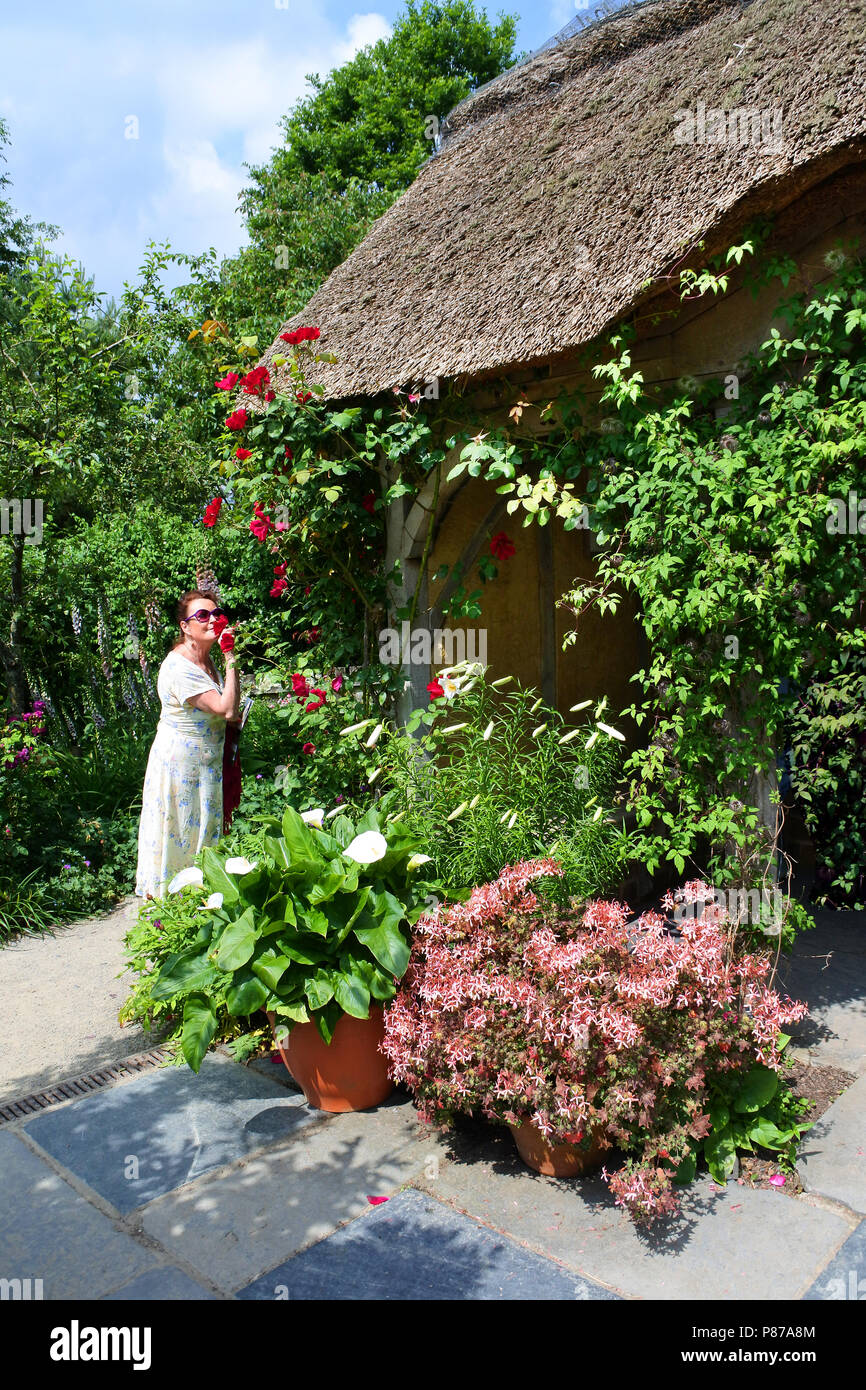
column 184, row 600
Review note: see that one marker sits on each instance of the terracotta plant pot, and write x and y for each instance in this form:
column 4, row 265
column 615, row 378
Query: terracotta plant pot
column 349, row 1073
column 556, row 1160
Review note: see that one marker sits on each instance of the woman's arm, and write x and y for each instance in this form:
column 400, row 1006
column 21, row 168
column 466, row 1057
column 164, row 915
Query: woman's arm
column 226, row 704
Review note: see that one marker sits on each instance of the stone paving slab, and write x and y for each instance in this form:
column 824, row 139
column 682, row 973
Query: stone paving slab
column 832, row 1157
column 845, row 1276
column 136, row 1142
column 827, row 968
column 237, row 1224
column 730, row 1243
column 413, row 1248
column 49, row 1232
column 160, row 1285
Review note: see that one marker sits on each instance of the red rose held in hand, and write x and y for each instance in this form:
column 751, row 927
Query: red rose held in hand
column 219, row 625
column 227, row 642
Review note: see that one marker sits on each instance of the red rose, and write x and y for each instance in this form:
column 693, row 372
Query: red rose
column 434, row 690
column 288, row 453
column 219, row 625
column 278, row 586
column 309, row 748
column 211, row 512
column 337, row 684
column 237, row 420
column 369, row 502
column 242, row 454
column 260, row 526
column 255, row 380
column 280, row 570
column 304, row 396
column 228, row 382
column 300, row 686
column 317, row 704
column 227, row 641
column 501, row 547
column 270, row 396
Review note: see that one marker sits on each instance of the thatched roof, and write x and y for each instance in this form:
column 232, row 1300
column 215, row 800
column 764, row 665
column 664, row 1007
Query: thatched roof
column 560, row 188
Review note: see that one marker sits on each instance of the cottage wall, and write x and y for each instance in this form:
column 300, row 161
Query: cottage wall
column 674, row 342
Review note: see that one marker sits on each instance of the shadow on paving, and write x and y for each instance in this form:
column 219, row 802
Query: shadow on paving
column 827, row 969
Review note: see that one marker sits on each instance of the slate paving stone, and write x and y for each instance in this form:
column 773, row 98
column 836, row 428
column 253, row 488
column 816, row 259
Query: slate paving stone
column 832, row 1158
column 827, row 968
column 49, row 1232
column 414, row 1248
column 238, row 1224
column 730, row 1243
column 845, row 1276
column 160, row 1285
column 136, row 1142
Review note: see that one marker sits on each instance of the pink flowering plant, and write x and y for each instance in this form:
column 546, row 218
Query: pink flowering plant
column 590, row 1025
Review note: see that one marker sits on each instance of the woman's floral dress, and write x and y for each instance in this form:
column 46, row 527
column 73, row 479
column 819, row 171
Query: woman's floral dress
column 182, row 802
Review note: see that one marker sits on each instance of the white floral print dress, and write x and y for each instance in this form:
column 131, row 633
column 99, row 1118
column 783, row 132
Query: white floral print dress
column 182, row 802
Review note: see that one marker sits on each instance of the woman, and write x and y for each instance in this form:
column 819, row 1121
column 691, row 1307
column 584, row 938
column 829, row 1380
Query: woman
column 182, row 803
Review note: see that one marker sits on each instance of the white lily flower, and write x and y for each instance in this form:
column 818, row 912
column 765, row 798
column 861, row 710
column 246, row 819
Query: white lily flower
column 314, row 817
column 503, row 680
column 534, row 707
column 488, row 731
column 398, row 815
column 239, row 865
column 356, row 728
column 449, row 687
column 375, row 736
column 458, row 811
column 367, row 848
column 214, row 901
column 599, row 812
column 417, row 860
column 475, row 800
column 336, row 811
column 540, row 730
column 373, row 775
column 575, row 733
column 452, row 728
column 584, row 704
column 503, row 818
column 512, row 821
column 185, row 878
column 591, row 740
column 611, row 732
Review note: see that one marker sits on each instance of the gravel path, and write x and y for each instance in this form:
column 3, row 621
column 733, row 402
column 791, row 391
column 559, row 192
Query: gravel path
column 59, row 997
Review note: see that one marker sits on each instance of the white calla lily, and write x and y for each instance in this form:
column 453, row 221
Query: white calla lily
column 336, row 811
column 239, row 865
column 417, row 860
column 367, row 848
column 185, row 878
column 314, row 817
column 214, row 901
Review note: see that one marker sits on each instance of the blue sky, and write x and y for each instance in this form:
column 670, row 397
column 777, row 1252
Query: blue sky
column 207, row 84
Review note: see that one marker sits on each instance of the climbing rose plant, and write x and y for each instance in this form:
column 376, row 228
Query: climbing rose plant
column 513, row 1012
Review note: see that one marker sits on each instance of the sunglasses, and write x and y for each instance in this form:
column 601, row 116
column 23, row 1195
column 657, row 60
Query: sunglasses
column 204, row 615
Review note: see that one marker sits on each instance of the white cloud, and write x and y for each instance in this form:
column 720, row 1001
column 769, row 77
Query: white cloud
column 364, row 29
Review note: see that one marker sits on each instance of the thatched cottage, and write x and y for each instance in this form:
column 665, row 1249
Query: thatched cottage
column 566, row 196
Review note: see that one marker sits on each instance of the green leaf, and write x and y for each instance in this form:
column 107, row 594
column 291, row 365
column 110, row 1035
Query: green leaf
column 762, row 1131
column 352, row 995
column 237, row 943
column 720, row 1154
column 386, row 942
column 687, row 1169
column 182, row 973
column 213, row 868
column 199, row 1028
column 270, row 966
column 246, row 996
column 319, row 989
column 757, row 1089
